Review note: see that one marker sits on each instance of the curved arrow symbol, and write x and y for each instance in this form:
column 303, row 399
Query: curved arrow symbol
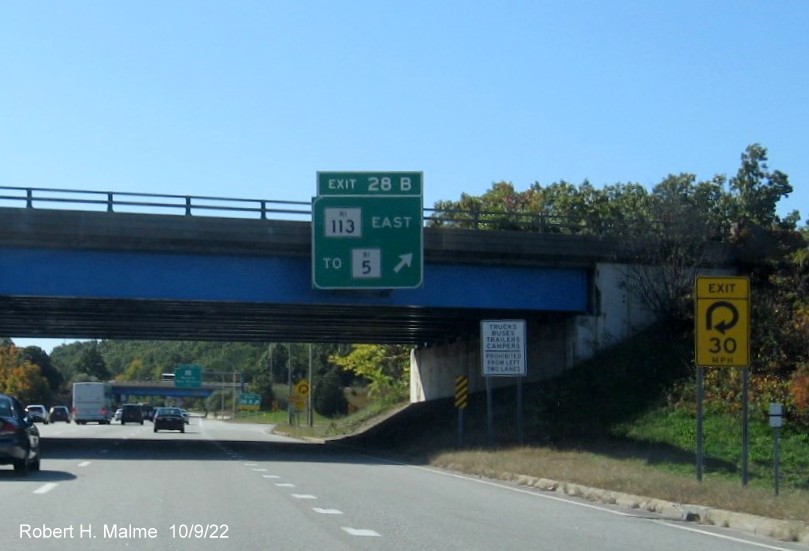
column 723, row 325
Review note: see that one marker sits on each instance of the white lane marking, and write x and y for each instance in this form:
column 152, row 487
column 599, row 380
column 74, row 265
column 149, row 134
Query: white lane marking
column 360, row 532
column 251, row 464
column 304, row 496
column 259, row 470
column 720, row 536
column 327, row 511
column 45, row 488
column 84, row 463
column 535, row 493
column 270, row 476
column 285, row 485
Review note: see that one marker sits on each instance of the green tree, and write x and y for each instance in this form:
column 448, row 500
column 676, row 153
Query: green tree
column 329, row 399
column 262, row 384
column 757, row 190
column 39, row 357
column 21, row 378
column 385, row 367
column 91, row 363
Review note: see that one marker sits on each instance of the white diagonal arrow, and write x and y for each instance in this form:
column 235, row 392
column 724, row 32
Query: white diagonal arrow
column 405, row 260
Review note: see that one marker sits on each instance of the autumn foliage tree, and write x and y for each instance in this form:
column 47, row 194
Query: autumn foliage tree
column 22, row 378
column 680, row 220
column 385, row 367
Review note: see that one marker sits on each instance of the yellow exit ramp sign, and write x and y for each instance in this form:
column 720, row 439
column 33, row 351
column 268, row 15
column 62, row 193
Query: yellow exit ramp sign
column 722, row 321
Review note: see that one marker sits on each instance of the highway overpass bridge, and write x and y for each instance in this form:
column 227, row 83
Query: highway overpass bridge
column 163, row 389
column 175, row 272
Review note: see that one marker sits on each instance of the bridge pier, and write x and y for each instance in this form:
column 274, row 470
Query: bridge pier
column 553, row 344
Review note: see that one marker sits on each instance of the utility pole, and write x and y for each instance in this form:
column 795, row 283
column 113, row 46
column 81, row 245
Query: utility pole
column 289, row 385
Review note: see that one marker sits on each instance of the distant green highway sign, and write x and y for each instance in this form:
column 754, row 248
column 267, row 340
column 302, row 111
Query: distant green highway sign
column 188, row 376
column 367, row 231
column 249, row 401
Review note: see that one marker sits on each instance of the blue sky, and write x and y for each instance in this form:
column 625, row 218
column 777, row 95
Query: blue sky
column 251, row 99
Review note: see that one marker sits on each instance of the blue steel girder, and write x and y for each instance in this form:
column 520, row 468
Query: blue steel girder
column 147, row 294
column 77, row 274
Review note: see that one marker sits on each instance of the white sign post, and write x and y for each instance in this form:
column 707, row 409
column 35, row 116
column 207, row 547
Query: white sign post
column 776, row 422
column 502, row 344
column 503, row 354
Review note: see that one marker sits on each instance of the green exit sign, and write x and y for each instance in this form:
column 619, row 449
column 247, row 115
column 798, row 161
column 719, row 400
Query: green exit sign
column 379, row 184
column 250, row 401
column 367, row 230
column 188, row 376
column 367, row 242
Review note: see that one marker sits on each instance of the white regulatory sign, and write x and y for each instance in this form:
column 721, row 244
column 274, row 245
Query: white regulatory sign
column 502, row 348
column 366, row 263
column 343, row 222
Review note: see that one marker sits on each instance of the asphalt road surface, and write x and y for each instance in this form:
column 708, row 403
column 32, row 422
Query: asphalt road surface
column 231, row 486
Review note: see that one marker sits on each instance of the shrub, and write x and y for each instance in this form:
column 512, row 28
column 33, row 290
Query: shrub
column 329, row 398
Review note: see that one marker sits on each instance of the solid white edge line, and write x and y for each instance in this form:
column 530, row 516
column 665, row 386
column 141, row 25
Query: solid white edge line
column 721, row 536
column 537, row 493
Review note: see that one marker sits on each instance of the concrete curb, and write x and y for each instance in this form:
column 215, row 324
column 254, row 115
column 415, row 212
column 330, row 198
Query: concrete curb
column 784, row 530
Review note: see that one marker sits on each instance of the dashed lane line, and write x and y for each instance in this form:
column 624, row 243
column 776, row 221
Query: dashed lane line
column 45, row 488
column 360, row 532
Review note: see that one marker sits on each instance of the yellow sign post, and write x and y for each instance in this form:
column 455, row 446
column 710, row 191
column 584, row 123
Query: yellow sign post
column 722, row 321
column 722, row 339
column 301, row 394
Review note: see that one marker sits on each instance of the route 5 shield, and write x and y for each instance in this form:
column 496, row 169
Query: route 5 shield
column 722, row 321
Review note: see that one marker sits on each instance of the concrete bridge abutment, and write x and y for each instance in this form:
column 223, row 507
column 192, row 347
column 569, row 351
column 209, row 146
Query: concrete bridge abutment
column 554, row 343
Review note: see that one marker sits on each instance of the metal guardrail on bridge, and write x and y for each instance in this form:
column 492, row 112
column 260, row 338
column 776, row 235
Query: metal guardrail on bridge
column 228, row 207
column 151, row 203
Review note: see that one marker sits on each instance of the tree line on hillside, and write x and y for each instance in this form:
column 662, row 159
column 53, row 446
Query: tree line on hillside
column 675, row 224
column 37, row 377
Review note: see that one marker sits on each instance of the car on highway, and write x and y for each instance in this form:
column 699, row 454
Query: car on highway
column 118, row 413
column 147, row 410
column 131, row 413
column 168, row 419
column 59, row 413
column 19, row 437
column 186, row 415
column 38, row 412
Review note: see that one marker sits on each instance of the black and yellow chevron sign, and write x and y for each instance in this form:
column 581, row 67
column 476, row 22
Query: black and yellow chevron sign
column 461, row 391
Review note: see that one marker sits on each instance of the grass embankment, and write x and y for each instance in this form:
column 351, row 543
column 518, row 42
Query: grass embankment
column 607, row 424
column 649, row 461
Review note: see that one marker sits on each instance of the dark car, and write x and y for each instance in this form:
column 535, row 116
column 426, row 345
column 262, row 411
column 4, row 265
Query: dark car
column 131, row 413
column 148, row 411
column 168, row 419
column 19, row 437
column 59, row 413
